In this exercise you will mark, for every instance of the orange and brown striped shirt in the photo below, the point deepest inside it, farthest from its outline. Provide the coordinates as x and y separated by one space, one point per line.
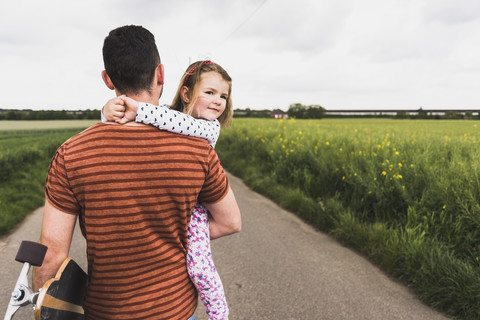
134 188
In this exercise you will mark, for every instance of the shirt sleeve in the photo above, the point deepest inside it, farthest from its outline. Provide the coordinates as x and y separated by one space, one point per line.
216 184
102 117
175 121
57 187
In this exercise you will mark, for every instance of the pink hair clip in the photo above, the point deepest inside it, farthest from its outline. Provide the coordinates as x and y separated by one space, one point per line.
191 71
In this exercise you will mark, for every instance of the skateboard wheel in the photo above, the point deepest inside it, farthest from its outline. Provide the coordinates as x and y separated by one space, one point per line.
31 252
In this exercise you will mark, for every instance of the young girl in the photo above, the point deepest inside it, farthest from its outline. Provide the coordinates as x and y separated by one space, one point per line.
204 92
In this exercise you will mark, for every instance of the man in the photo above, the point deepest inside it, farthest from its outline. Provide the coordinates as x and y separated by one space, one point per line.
133 188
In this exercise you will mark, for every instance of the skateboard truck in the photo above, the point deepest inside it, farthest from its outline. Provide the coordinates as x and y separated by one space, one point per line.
60 298
30 254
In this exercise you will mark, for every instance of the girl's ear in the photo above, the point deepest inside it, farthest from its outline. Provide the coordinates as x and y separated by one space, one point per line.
184 94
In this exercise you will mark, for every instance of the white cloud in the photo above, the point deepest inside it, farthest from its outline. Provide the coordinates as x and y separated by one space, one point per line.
339 54
452 12
304 26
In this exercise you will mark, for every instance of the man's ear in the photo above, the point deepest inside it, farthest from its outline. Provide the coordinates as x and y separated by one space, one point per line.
184 94
107 80
160 74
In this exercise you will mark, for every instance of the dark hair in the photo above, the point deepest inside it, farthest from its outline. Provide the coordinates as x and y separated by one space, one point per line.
130 56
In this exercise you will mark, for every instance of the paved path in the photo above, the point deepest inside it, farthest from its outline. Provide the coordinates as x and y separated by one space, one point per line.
276 268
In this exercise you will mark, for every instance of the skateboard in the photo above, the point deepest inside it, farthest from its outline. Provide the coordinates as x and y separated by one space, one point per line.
60 297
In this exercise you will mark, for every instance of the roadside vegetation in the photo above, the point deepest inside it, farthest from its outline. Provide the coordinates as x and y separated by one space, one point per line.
405 193
24 159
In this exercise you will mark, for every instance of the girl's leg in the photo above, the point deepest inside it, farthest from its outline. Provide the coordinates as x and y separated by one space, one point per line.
201 268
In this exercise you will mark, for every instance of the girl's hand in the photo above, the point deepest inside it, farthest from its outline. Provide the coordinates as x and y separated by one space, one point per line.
114 109
130 112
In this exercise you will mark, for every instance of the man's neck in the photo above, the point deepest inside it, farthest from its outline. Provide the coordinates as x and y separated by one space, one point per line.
143 96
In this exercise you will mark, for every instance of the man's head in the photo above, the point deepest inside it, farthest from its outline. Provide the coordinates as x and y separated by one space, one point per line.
132 62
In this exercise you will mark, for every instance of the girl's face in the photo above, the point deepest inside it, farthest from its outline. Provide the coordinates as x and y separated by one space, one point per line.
212 96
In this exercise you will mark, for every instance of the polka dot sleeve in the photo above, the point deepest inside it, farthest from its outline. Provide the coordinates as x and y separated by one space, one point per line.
171 120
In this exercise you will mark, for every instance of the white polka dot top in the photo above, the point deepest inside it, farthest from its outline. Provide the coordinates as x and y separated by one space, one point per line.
171 120
175 121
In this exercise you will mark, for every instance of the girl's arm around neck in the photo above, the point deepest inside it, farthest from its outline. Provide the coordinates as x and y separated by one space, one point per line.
175 121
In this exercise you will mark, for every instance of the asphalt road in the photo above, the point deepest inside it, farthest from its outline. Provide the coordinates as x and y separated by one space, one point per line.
276 268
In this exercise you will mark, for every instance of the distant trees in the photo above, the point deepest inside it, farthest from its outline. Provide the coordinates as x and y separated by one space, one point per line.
422 114
453 115
301 111
249 113
402 115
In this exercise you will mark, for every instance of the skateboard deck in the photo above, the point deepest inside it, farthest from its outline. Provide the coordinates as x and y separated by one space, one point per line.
62 297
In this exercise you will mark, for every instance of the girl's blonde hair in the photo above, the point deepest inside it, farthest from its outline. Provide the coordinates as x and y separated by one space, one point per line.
191 78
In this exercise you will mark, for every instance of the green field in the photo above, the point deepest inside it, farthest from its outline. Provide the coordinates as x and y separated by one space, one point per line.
26 148
6 125
405 193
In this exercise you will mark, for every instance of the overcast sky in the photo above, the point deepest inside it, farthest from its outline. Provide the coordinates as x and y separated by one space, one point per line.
340 54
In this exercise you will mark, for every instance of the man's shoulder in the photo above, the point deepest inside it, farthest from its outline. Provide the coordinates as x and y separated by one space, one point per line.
79 136
141 134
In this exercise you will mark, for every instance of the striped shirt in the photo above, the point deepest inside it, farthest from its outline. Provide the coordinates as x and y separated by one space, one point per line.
134 188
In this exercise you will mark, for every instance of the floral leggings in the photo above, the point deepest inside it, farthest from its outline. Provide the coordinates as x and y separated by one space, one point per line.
201 268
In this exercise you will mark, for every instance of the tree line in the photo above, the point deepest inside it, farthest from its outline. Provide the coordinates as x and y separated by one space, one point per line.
450 114
296 110
300 111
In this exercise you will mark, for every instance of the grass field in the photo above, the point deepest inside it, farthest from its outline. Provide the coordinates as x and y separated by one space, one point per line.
26 148
6 125
405 193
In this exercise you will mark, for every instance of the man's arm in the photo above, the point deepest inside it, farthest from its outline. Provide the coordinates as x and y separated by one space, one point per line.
226 217
57 232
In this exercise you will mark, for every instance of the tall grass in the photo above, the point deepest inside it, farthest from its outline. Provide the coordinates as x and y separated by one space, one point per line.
24 160
405 193
29 125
